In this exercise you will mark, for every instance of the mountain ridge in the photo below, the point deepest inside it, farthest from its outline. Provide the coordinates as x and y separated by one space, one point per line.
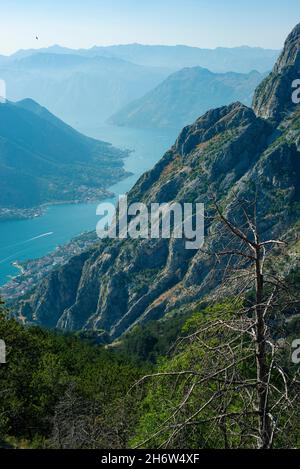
44 160
270 98
80 90
179 99
219 59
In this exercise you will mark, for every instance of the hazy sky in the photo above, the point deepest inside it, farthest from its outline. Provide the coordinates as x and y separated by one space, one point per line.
203 23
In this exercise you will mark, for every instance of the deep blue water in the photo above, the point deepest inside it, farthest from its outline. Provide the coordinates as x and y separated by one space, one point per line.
28 239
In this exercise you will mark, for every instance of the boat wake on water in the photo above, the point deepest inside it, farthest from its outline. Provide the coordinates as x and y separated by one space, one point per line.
22 243
40 236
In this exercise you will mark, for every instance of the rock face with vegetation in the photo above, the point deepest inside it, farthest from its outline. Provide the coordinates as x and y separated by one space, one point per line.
185 95
42 159
273 98
231 152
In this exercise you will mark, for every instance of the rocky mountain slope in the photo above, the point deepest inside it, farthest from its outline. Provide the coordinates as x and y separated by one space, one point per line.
42 159
185 95
233 151
273 99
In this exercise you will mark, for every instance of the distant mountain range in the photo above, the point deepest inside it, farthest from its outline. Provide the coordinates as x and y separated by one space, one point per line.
85 87
186 94
44 160
238 59
83 91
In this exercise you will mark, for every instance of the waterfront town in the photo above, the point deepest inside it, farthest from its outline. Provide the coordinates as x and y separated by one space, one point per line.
81 194
34 270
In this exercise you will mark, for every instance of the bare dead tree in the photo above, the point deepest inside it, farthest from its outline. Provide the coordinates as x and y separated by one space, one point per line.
240 390
257 257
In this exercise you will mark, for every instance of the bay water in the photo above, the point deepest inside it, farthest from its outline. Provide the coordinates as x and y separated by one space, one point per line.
33 238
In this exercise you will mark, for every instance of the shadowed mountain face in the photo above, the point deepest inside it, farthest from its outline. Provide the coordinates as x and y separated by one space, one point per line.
230 151
82 91
44 160
184 95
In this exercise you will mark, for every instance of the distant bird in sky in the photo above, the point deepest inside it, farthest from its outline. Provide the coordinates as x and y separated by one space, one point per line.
37 38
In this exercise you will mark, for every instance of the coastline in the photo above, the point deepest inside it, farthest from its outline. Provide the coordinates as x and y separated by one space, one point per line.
34 212
31 271
18 266
97 195
137 160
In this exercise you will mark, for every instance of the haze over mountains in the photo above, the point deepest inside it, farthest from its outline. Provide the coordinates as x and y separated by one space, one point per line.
44 160
238 59
80 90
86 87
186 94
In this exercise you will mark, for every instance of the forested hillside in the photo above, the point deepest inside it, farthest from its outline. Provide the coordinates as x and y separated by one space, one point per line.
44 160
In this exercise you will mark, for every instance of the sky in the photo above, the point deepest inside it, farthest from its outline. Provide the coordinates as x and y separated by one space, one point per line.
202 23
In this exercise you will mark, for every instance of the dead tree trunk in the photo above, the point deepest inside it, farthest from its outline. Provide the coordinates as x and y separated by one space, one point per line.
265 422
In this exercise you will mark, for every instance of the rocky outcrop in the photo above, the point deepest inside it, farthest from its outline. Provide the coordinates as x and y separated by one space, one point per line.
273 97
232 152
55 293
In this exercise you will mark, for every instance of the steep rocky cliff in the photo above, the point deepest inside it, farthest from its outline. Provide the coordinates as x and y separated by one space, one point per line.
233 152
273 97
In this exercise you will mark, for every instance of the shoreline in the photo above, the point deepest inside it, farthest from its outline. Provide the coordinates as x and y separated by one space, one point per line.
35 212
20 214
130 171
31 271
18 266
